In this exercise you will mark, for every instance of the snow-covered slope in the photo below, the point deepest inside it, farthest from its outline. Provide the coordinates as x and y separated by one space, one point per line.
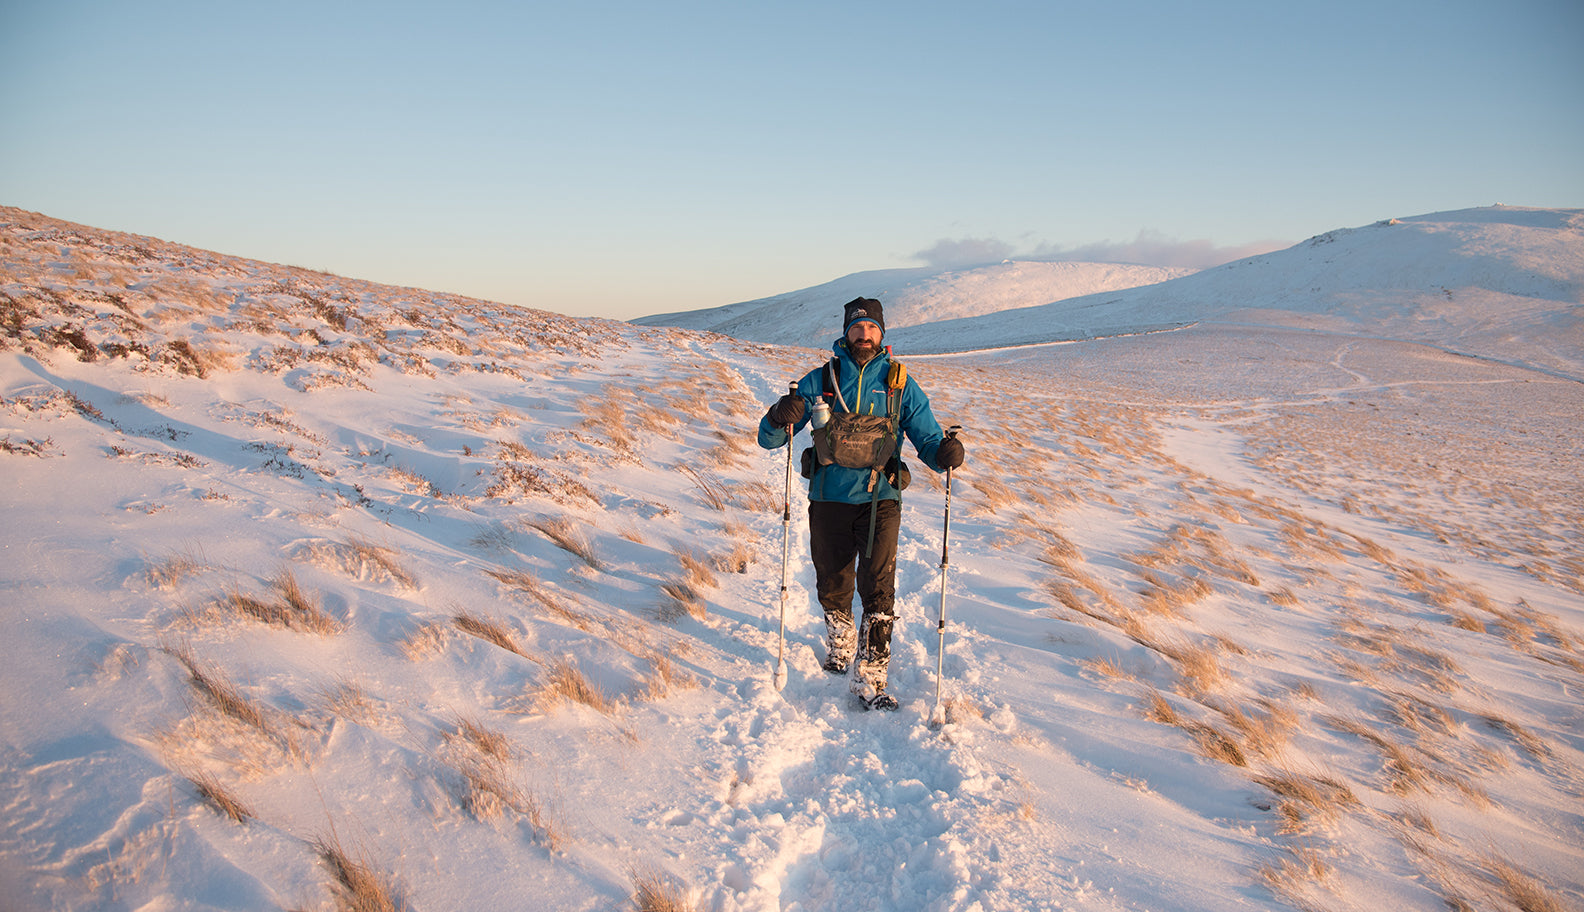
1500 282
319 594
812 317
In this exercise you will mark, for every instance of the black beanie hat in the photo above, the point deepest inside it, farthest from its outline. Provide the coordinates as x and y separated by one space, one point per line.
863 309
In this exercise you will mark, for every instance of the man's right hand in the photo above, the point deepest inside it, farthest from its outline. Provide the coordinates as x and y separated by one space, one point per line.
788 410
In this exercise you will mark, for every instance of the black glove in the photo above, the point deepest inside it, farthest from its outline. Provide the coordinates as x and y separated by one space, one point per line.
949 455
787 410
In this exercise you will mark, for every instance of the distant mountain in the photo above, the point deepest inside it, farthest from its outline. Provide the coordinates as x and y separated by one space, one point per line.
1501 282
912 297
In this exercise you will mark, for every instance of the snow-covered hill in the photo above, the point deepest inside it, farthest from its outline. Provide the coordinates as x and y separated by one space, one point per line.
811 317
1500 282
320 594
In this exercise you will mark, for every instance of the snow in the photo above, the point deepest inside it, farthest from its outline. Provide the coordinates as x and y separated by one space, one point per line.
1279 607
811 317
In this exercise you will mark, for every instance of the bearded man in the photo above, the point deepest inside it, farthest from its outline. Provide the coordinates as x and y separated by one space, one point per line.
855 510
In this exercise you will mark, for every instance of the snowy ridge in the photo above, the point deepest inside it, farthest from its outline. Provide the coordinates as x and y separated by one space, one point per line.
811 317
1501 282
484 601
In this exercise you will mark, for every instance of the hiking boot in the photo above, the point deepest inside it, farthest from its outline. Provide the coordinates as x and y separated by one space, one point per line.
881 701
836 665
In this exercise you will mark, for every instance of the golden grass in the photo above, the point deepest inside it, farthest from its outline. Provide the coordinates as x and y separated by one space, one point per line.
221 695
654 891
221 799
567 683
681 598
1296 874
356 886
1523 891
712 490
294 609
349 700
1307 800
177 568
664 677
487 741
569 537
360 559
488 630
696 571
736 559
428 640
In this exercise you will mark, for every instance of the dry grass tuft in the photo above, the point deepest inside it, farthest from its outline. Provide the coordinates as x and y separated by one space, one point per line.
1158 709
349 700
1532 744
682 598
657 892
696 571
360 559
486 741
712 489
1523 891
1263 734
1296 875
1308 799
222 694
566 682
665 678
220 798
491 631
293 610
1107 667
737 559
996 493
567 536
428 640
1216 744
357 887
175 569
1197 663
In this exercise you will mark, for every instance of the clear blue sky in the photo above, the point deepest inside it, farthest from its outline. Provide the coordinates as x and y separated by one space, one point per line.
625 158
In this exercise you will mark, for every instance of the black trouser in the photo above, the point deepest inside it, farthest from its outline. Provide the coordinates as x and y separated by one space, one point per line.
838 537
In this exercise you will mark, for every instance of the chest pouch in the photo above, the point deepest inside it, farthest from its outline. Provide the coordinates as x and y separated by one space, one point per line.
856 441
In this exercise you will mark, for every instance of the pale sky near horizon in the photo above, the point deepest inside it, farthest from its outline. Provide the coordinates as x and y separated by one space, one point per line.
625 158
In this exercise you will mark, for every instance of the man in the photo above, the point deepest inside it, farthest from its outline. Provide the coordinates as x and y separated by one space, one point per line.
855 512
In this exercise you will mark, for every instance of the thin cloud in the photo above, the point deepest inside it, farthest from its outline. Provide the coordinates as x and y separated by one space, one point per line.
948 253
1150 248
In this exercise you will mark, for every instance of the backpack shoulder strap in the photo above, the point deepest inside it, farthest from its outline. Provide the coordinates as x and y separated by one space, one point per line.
833 383
896 382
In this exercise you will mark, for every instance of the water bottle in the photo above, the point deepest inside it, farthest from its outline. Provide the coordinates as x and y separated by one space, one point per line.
821 412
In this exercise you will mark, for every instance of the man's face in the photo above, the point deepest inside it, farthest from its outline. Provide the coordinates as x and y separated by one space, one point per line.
863 340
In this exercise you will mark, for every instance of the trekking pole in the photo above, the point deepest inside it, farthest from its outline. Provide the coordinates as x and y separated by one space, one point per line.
786 549
938 714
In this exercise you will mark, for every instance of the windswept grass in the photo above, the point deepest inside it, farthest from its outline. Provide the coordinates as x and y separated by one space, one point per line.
567 683
654 891
488 630
569 537
293 609
359 559
355 884
221 799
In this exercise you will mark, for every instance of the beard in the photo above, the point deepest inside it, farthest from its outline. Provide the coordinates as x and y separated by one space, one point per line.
863 351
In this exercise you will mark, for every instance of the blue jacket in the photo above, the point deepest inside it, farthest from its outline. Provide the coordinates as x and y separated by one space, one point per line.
864 390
